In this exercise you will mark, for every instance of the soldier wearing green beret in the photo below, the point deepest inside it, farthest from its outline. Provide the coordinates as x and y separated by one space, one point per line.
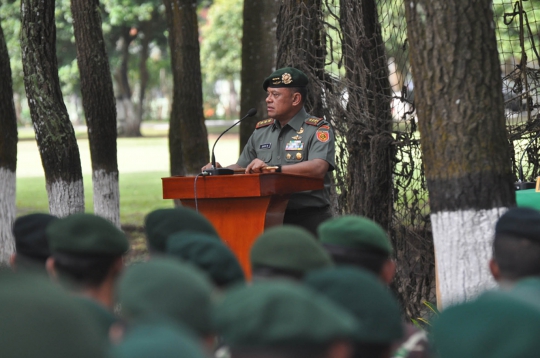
287 252
86 255
516 246
296 143
31 244
280 319
208 254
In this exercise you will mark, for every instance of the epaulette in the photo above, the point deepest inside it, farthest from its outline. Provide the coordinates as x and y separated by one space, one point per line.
315 121
264 123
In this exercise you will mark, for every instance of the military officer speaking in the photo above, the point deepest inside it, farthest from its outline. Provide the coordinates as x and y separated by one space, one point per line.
292 141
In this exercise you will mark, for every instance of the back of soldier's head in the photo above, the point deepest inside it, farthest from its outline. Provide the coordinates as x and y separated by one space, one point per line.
288 252
85 247
356 240
160 224
516 245
31 243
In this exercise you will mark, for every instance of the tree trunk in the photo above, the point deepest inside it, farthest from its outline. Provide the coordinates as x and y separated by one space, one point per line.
188 139
300 44
143 73
8 154
258 59
54 133
99 107
458 96
369 138
128 126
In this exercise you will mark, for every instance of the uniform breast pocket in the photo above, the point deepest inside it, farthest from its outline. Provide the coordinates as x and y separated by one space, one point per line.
264 155
294 156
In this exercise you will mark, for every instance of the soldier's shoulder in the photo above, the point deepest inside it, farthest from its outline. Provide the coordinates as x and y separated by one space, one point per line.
264 123
317 122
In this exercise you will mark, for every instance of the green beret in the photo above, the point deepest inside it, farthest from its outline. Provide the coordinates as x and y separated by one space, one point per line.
286 77
356 232
289 248
158 339
40 320
161 223
495 325
86 234
280 313
521 223
166 287
29 234
208 254
365 297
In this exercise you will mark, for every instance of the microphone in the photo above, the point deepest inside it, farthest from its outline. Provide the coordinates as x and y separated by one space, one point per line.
226 171
521 184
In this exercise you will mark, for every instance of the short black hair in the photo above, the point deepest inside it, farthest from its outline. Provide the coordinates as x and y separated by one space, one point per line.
84 270
370 260
371 350
302 351
302 90
517 257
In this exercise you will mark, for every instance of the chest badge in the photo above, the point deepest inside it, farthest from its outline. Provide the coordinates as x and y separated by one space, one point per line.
301 130
298 156
289 156
296 137
294 145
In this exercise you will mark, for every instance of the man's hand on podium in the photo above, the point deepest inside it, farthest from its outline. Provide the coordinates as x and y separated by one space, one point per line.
209 166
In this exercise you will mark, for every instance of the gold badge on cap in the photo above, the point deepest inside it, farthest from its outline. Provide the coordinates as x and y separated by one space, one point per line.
289 155
298 156
286 78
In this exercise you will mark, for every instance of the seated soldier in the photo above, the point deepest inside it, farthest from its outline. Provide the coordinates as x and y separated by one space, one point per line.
516 246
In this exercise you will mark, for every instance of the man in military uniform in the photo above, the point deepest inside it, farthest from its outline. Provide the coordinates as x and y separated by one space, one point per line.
292 141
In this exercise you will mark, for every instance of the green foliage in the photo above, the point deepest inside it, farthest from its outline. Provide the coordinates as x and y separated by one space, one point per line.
424 323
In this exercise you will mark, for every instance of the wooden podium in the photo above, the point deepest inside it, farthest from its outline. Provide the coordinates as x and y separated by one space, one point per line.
240 206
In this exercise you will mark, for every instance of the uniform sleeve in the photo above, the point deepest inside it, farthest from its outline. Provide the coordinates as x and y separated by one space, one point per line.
322 146
248 154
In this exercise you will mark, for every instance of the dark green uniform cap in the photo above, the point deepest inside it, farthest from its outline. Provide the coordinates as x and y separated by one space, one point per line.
355 232
521 223
286 77
162 223
29 234
278 313
86 234
495 325
289 248
208 254
40 320
158 339
364 296
166 287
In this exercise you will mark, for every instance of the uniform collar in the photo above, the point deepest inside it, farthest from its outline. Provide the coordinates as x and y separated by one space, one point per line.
296 121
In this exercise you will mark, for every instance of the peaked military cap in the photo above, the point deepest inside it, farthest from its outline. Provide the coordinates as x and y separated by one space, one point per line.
168 288
280 313
520 222
161 223
208 254
365 297
86 234
495 325
355 232
289 248
30 237
286 77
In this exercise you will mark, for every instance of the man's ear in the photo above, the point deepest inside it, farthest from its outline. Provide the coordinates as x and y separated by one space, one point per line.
495 270
12 261
388 271
297 99
51 270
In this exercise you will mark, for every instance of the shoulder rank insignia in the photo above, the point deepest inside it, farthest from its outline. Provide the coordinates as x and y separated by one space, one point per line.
264 123
314 121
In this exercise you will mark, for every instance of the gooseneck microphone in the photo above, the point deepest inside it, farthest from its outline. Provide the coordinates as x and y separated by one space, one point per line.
521 184
226 171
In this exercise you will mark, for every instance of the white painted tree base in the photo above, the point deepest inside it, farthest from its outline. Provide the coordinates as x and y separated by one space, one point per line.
7 213
463 248
65 198
106 196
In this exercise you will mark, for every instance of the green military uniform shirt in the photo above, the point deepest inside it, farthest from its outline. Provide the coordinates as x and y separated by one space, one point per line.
303 138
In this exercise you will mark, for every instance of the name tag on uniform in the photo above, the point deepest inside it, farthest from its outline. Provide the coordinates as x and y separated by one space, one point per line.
265 146
294 145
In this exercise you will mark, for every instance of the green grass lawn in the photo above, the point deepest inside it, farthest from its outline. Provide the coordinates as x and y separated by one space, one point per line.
142 162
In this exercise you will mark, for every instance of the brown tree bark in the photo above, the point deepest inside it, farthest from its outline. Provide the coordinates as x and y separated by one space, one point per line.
54 133
369 137
8 154
188 138
301 44
99 106
465 150
258 59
